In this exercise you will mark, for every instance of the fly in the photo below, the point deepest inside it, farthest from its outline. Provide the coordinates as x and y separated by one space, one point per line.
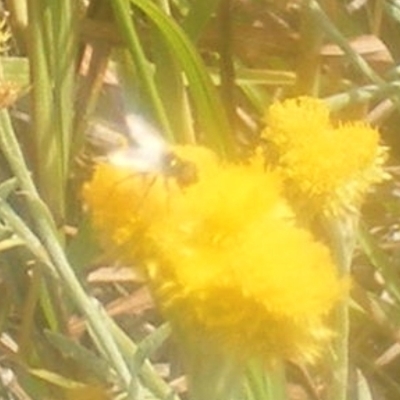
148 152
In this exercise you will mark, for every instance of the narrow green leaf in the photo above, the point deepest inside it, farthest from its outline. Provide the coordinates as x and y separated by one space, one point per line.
392 7
211 114
56 379
363 391
142 65
380 260
199 14
265 384
87 359
150 344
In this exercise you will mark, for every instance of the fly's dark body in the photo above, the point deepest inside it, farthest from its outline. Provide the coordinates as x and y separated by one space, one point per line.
184 172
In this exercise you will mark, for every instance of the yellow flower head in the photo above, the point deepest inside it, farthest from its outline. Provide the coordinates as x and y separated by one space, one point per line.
326 167
223 255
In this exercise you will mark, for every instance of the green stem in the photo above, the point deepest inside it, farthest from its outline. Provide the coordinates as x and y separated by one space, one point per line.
56 257
321 19
123 16
48 160
308 70
212 373
342 234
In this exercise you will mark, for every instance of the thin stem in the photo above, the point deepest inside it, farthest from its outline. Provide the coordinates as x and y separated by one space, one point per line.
123 16
308 71
342 235
48 160
56 257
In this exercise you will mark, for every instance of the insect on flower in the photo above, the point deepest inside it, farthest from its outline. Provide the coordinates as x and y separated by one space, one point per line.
147 152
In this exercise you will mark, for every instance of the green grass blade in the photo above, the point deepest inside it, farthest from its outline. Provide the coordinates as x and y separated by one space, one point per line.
211 114
144 71
380 260
199 14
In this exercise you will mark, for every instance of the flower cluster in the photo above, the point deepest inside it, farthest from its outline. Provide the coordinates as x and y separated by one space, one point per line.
327 168
223 255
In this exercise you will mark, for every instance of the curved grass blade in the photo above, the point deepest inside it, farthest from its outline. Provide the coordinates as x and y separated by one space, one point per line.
211 114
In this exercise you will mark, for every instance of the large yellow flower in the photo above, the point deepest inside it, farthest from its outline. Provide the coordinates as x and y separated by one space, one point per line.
223 255
327 168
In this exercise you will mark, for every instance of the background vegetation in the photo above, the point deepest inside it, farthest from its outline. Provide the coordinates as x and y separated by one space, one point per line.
201 71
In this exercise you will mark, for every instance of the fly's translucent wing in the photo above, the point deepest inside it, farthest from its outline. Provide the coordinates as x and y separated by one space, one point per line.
145 135
150 153
148 149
